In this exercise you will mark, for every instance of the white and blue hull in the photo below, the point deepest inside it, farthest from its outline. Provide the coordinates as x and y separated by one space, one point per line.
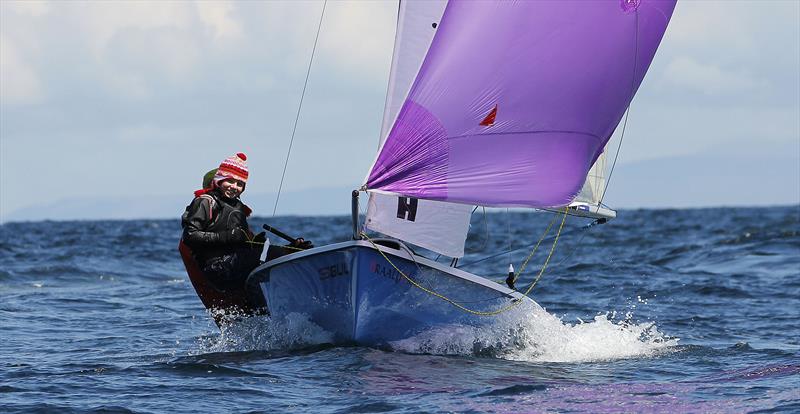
352 291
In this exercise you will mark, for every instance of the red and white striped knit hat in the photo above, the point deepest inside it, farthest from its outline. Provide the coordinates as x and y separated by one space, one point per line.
232 167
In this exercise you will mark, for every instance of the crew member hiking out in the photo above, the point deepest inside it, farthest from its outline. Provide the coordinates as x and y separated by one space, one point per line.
216 231
215 227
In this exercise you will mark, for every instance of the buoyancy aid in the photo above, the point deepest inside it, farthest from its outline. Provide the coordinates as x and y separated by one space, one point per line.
208 215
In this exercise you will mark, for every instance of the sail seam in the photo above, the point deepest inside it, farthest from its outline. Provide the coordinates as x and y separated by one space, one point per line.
526 132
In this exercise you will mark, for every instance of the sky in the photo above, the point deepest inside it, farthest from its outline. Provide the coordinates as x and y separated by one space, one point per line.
132 101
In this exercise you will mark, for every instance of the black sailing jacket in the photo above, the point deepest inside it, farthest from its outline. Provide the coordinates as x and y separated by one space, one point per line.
207 224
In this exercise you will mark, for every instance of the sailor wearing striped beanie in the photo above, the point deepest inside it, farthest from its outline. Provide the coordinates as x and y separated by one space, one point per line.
233 167
216 231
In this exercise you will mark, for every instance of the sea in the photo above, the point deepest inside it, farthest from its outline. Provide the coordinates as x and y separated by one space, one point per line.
657 311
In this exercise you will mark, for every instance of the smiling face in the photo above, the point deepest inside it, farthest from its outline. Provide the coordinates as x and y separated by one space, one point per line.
231 188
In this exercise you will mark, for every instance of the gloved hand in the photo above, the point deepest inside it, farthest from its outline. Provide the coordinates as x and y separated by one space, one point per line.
232 236
301 243
260 238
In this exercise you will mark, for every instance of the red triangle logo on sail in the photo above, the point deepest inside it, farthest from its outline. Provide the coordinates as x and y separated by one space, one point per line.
489 120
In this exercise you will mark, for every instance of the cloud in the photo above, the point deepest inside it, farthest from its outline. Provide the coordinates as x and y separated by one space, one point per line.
722 23
152 59
709 79
100 22
217 15
185 83
28 7
134 51
19 83
148 133
727 54
657 130
358 32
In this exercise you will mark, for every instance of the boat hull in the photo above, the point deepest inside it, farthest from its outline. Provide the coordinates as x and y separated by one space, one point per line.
356 291
220 302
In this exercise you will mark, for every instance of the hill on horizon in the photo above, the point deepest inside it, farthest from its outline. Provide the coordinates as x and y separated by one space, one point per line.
703 182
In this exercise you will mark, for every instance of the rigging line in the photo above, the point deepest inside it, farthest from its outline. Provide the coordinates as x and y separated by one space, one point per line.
614 164
485 225
508 234
486 229
299 107
585 231
619 146
577 246
505 252
514 302
549 256
389 81
627 111
525 263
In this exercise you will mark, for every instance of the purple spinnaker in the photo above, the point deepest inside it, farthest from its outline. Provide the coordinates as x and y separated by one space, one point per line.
561 74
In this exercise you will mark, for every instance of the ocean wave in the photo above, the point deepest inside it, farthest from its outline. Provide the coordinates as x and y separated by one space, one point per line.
534 335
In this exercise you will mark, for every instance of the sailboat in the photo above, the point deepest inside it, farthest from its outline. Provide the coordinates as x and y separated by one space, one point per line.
495 104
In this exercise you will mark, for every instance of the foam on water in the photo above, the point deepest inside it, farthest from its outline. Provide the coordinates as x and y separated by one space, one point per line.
529 333
264 333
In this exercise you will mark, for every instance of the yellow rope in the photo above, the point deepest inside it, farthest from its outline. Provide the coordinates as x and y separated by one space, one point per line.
525 263
549 255
513 303
293 248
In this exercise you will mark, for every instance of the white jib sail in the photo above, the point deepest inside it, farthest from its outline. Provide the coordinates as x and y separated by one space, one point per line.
415 31
587 202
595 185
437 226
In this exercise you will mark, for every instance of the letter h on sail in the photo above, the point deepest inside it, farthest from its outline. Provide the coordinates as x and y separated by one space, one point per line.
407 208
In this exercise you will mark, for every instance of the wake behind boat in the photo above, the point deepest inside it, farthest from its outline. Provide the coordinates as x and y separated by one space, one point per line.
494 104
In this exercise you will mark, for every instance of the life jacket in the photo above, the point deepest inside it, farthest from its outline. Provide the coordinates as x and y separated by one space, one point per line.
223 214
212 196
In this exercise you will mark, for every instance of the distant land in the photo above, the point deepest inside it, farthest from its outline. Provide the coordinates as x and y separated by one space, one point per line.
312 202
707 182
699 182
